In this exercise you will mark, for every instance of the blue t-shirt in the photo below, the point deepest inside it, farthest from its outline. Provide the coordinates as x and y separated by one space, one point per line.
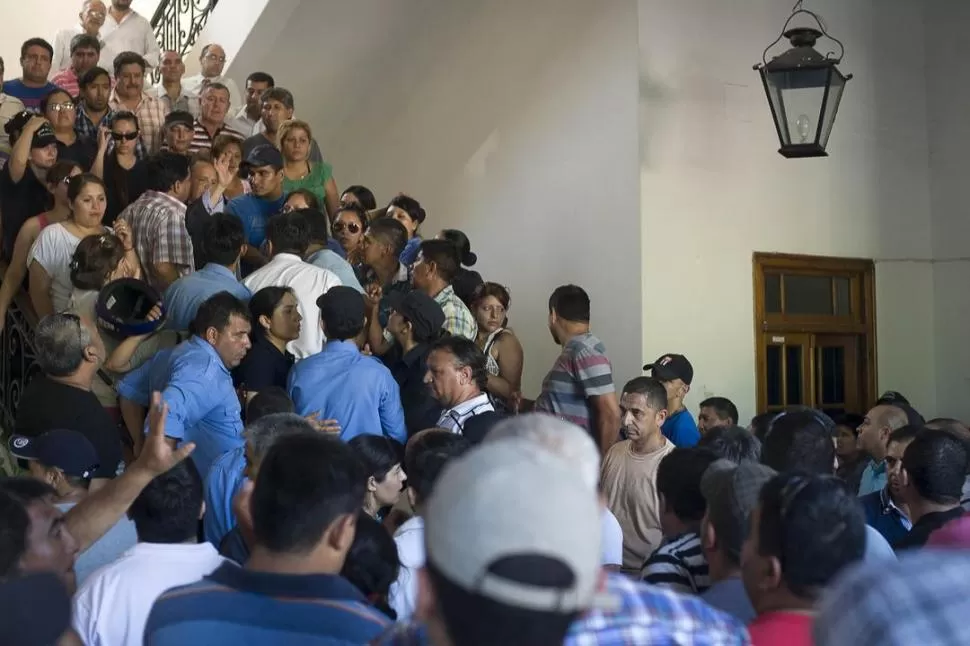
30 96
681 429
254 212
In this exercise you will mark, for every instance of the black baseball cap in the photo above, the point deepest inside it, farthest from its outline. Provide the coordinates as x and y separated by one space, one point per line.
672 366
892 397
342 306
66 450
180 117
264 155
425 315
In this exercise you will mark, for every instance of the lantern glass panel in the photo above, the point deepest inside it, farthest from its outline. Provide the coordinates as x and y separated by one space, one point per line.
831 105
796 98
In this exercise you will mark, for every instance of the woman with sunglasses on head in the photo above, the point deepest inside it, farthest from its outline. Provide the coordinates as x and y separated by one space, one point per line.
56 181
117 157
48 261
61 111
348 230
503 352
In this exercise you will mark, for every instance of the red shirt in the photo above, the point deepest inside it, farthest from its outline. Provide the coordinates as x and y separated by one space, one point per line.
781 629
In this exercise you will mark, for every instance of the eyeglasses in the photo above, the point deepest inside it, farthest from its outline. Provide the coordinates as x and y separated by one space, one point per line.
351 227
126 136
213 57
67 106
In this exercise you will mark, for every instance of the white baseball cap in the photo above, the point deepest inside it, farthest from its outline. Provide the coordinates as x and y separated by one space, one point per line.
506 500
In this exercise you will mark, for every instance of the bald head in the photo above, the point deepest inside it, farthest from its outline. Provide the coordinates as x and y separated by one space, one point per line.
213 60
876 428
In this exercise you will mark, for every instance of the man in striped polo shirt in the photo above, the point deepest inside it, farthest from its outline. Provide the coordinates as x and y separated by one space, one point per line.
211 122
579 388
302 521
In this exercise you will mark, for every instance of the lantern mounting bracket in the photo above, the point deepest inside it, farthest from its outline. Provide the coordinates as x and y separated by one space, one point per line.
804 35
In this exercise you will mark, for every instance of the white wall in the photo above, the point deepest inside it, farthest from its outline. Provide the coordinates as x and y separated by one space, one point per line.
714 190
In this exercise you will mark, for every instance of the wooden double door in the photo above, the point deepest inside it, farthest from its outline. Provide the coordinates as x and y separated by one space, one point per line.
813 369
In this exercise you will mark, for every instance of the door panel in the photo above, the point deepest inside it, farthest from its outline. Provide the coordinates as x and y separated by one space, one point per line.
837 376
817 370
788 370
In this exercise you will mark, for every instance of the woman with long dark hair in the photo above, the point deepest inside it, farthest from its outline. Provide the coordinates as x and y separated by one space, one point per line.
276 321
467 280
115 161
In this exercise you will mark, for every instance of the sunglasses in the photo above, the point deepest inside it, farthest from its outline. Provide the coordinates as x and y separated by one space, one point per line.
126 136
352 227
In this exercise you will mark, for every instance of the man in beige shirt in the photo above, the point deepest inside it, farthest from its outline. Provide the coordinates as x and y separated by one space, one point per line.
629 472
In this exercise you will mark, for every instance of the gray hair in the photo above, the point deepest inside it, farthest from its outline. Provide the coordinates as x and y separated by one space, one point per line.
262 433
557 436
60 340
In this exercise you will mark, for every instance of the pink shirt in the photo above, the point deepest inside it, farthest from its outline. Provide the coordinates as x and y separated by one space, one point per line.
781 629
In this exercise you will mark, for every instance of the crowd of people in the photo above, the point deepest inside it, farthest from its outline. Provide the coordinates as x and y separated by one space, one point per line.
270 411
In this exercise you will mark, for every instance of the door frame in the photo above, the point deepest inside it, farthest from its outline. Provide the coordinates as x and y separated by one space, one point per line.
862 323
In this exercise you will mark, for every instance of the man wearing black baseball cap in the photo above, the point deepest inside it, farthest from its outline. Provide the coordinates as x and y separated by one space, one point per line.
264 168
178 132
340 382
415 321
676 374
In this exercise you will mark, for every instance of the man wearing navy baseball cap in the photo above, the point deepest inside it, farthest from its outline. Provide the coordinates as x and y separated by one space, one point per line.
676 374
264 168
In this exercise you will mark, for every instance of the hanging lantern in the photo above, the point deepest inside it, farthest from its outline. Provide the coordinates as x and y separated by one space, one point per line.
804 89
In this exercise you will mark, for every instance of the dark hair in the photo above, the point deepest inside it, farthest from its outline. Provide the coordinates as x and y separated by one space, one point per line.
268 401
679 480
724 408
217 311
36 42
496 291
800 440
814 526
905 434
462 244
306 482
427 456
409 205
261 77
165 169
60 171
936 462
85 41
16 494
309 196
363 195
223 238
650 388
849 420
372 564
760 424
91 76
46 101
288 233
388 230
444 256
77 183
570 302
343 325
377 453
467 354
280 94
223 141
732 443
264 303
167 510
124 115
128 58
216 86
317 224
94 259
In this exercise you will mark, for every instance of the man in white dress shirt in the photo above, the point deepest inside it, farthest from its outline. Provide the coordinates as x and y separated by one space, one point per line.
457 377
112 606
288 235
92 17
213 61
126 30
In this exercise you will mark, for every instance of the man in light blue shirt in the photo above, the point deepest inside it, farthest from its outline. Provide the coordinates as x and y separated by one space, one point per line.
195 382
342 384
223 241
320 255
874 433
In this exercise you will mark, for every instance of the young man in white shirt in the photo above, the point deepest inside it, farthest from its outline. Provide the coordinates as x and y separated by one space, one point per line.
126 30
113 604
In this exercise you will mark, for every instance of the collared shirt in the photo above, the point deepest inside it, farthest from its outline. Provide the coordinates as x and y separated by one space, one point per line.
926 525
86 128
222 483
329 260
193 86
202 404
133 34
202 140
356 390
67 80
113 605
237 606
455 417
458 318
30 96
254 212
183 297
309 283
242 123
157 222
263 367
184 102
884 516
9 107
151 117
582 371
421 409
639 614
874 478
196 219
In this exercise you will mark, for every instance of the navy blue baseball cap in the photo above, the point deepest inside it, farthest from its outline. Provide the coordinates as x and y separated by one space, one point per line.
68 451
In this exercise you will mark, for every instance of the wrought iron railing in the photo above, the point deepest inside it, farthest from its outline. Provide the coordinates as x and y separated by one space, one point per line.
18 364
177 24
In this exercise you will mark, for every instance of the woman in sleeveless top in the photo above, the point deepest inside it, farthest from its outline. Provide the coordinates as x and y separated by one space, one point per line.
503 352
57 178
